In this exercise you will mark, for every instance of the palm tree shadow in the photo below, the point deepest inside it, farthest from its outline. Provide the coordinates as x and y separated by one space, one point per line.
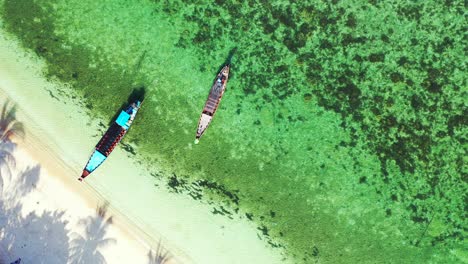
36 238
161 256
85 249
7 162
43 235
48 236
28 180
9 127
33 235
20 186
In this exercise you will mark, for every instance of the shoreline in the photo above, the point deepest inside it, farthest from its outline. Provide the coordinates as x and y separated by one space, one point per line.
48 155
56 166
185 227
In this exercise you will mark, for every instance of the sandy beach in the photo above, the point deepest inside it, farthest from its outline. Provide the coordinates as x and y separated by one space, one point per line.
46 218
43 186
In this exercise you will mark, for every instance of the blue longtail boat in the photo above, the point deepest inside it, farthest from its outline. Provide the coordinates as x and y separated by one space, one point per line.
111 138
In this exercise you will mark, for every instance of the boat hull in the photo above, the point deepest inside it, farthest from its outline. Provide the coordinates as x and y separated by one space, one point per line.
212 102
111 138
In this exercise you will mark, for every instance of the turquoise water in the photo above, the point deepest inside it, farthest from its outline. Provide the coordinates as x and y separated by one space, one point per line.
342 133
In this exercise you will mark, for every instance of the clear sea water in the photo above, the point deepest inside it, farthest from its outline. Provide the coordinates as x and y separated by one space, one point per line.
342 133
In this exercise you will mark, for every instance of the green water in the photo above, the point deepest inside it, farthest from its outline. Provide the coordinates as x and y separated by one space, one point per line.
342 131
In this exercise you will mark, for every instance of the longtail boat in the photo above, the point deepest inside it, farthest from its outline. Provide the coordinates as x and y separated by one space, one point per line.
111 138
212 103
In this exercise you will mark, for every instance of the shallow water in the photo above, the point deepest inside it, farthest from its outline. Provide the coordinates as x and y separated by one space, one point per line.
341 126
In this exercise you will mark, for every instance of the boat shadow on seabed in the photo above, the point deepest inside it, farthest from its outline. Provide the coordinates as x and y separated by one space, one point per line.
228 60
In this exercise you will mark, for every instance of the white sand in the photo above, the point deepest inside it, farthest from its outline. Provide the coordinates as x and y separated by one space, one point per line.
60 138
46 219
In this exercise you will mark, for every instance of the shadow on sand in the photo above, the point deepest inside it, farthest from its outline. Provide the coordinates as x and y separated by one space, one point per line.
36 238
9 127
160 256
85 249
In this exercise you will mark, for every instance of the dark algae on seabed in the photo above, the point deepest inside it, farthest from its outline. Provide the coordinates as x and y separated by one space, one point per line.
343 136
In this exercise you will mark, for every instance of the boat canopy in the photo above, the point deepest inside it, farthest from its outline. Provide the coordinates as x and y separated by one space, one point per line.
123 119
96 159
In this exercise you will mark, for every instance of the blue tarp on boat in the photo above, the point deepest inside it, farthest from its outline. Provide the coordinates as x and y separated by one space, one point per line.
96 159
123 119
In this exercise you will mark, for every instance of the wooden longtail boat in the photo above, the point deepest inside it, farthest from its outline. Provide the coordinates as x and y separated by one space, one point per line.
212 103
111 138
